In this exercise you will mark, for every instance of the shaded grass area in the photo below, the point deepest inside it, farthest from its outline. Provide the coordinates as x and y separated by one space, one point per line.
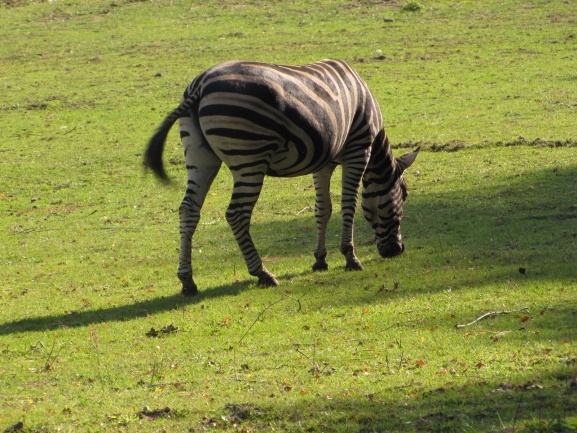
368 413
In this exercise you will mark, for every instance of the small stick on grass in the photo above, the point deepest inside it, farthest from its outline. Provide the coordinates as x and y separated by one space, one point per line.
256 320
490 313
264 311
304 209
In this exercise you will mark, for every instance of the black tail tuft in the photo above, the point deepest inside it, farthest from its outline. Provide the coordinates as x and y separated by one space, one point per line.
153 153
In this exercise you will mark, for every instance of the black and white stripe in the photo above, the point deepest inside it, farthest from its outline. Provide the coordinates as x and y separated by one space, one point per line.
263 119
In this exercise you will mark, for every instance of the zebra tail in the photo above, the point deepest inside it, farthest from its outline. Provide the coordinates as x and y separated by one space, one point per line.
155 147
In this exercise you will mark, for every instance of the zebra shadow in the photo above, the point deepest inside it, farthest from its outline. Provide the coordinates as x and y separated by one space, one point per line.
120 313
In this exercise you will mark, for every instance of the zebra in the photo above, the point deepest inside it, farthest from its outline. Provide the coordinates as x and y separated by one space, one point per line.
265 119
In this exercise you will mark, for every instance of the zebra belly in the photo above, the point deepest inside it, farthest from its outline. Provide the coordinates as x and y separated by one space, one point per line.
282 157
289 161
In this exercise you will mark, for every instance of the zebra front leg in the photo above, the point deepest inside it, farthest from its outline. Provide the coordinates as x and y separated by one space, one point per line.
323 211
351 183
244 197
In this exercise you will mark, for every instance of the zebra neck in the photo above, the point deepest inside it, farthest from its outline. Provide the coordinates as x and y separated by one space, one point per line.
382 163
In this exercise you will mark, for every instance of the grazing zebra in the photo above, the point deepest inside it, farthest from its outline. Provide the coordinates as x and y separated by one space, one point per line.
264 119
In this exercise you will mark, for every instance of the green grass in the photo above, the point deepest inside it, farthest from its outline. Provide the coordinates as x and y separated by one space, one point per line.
89 245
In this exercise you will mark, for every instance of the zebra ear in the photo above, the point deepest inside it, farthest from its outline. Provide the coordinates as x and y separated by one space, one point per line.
405 161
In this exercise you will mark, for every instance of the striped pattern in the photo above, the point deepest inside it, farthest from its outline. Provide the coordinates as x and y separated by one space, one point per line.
263 119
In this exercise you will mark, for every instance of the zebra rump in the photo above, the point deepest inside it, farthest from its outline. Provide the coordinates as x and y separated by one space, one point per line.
263 119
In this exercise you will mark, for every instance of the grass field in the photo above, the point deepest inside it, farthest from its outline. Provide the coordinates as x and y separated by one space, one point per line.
93 333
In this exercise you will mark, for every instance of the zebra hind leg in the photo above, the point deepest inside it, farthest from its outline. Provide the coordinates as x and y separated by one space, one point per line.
266 279
199 182
245 195
188 286
189 217
353 264
202 166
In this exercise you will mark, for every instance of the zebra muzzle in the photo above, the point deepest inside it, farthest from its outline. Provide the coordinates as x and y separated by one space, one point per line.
390 249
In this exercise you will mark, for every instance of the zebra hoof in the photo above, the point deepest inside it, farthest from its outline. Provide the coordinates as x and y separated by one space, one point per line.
353 265
189 291
320 267
266 279
188 287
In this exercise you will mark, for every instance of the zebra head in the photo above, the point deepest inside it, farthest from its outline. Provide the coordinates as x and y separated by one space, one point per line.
383 198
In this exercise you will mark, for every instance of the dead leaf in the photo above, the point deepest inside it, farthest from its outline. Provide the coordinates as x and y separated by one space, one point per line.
152 333
242 411
152 414
19 426
169 329
166 330
383 288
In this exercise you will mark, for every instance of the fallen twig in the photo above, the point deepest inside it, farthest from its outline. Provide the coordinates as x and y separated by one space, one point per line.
294 299
490 313
264 311
258 317
298 301
306 208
